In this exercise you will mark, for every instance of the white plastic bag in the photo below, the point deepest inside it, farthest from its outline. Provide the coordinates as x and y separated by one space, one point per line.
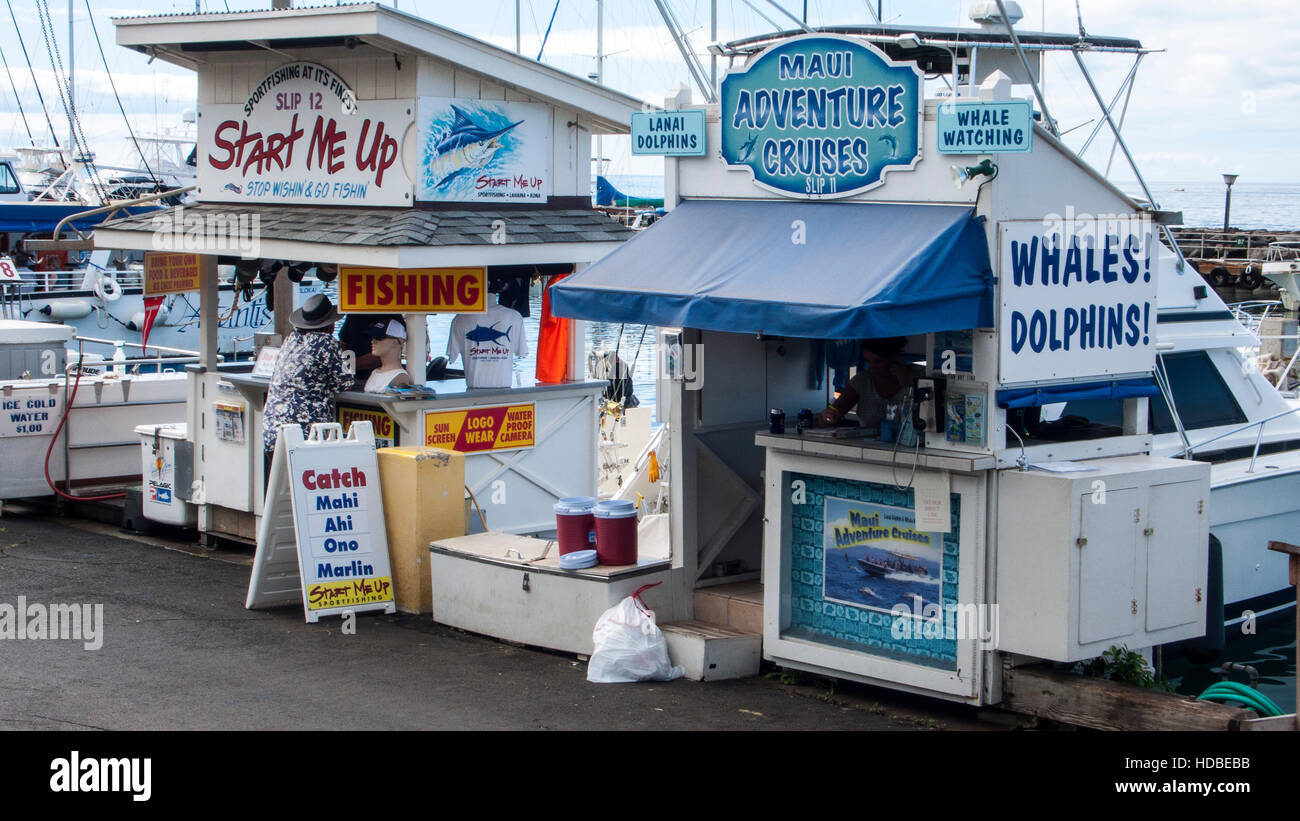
629 645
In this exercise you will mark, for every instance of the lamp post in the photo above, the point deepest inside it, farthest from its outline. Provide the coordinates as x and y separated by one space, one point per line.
1228 180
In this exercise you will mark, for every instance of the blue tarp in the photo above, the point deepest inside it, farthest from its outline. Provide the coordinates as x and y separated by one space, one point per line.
1115 389
820 270
41 217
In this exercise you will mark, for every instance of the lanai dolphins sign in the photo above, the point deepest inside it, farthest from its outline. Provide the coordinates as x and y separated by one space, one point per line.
821 117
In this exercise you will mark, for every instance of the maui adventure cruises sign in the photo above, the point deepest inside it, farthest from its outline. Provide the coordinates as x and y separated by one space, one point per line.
821 116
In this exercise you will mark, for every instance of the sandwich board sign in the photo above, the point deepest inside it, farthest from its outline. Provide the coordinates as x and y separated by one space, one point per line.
322 538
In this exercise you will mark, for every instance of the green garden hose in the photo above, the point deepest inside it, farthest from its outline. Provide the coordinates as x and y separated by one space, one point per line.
1231 691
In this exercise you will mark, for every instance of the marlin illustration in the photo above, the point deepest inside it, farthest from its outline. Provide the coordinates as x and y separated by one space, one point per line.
489 334
892 144
465 148
747 147
230 186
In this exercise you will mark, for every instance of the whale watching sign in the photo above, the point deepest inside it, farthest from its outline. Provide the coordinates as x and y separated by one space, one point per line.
977 127
822 116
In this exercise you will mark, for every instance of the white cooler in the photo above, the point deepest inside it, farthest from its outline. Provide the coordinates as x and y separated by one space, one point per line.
165 481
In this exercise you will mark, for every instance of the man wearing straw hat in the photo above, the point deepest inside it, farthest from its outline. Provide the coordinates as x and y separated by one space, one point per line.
309 371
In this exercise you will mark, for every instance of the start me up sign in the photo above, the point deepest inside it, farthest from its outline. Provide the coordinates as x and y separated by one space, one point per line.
822 116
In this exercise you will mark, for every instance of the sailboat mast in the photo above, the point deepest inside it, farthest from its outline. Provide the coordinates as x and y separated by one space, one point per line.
72 84
600 78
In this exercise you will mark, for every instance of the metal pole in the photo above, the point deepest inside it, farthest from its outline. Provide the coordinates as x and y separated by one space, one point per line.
801 24
693 64
1123 115
600 78
1227 205
72 80
1113 103
1042 103
518 44
1118 139
713 38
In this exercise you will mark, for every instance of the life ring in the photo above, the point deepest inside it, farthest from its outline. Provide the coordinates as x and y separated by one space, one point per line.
107 289
1218 276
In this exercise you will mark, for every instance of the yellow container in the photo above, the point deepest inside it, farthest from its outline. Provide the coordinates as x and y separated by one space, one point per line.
424 500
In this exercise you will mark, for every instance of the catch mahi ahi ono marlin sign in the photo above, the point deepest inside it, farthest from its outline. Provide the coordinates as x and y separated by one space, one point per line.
303 138
819 117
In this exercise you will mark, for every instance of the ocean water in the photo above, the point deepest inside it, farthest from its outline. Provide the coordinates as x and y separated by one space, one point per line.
635 345
1272 206
1255 205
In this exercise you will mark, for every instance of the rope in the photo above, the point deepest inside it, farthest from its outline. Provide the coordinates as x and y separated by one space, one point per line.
118 97
64 84
17 100
35 84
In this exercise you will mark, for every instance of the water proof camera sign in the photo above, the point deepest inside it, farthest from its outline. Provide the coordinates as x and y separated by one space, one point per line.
1077 298
819 117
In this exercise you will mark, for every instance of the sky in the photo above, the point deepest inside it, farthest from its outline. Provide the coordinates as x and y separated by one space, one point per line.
1221 95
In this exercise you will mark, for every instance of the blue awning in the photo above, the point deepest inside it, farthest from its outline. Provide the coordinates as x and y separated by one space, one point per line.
1051 394
821 270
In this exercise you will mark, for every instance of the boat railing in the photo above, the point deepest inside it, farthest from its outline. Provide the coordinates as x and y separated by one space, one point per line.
164 353
1190 450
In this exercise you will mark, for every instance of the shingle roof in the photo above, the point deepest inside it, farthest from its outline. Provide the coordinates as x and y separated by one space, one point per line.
389 227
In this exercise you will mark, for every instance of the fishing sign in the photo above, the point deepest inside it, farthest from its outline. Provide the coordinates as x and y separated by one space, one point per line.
303 138
1077 298
483 151
469 430
822 116
412 290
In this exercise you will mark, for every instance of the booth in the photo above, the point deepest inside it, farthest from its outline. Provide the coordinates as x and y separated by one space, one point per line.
419 166
834 204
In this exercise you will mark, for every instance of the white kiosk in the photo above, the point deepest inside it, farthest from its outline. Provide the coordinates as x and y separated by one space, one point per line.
825 210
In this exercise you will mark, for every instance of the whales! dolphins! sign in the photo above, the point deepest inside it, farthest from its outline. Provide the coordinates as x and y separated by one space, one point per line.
822 116
483 151
302 137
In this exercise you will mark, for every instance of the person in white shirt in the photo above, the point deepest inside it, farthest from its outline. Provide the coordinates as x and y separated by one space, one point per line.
389 337
488 343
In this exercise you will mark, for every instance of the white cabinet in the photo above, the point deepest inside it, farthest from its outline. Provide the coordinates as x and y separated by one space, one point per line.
1114 555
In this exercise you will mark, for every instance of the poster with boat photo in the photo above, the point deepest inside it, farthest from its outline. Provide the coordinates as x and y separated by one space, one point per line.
875 558
483 151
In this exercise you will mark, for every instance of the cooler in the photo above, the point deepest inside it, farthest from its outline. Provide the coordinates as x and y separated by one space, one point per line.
167 462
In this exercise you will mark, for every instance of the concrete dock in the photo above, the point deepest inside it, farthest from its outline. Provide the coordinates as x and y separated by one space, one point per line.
180 652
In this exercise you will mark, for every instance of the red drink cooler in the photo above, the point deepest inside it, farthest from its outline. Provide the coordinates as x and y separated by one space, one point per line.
616 532
575 528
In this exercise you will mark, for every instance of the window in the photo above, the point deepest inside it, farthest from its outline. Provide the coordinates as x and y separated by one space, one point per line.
1200 394
1202 397
8 182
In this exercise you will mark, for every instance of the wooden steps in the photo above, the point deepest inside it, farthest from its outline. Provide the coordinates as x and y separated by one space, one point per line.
725 639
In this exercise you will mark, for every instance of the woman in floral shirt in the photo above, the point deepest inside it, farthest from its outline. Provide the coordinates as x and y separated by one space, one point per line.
309 371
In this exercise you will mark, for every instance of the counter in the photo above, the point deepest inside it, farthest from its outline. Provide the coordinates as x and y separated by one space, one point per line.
554 453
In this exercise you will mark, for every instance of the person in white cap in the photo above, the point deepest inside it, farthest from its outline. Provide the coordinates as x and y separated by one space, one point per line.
389 338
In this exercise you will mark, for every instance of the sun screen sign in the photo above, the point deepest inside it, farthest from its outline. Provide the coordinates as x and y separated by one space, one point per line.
1077 298
819 117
